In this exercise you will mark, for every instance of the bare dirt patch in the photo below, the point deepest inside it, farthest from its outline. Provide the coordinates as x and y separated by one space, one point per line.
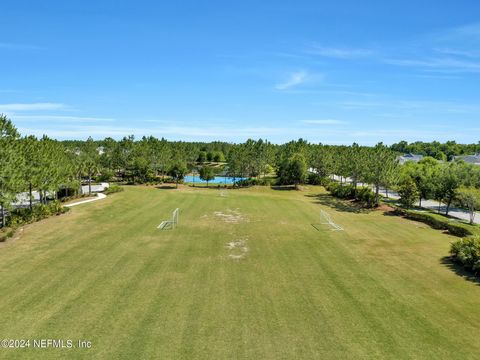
231 216
238 249
385 208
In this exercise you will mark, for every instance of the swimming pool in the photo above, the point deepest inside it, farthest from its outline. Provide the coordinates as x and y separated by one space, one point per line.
217 180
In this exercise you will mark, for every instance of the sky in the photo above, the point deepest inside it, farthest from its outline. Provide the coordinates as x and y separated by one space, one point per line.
335 72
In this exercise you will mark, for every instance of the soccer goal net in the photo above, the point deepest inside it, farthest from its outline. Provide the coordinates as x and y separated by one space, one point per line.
325 219
170 224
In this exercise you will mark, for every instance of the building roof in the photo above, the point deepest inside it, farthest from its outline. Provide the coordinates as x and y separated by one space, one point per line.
409 157
471 159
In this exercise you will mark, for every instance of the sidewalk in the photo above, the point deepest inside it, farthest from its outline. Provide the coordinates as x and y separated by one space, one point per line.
433 205
458 213
100 196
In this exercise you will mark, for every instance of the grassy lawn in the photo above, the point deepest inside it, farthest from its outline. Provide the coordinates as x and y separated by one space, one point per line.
282 290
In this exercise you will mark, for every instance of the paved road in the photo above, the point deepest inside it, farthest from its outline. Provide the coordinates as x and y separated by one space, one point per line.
428 204
433 205
23 198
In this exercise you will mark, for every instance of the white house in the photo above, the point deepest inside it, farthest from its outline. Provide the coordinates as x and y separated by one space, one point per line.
409 157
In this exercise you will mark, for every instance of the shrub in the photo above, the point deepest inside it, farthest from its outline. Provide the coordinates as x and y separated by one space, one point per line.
113 189
315 179
467 252
106 175
6 233
23 216
70 198
437 222
247 182
366 196
342 191
266 181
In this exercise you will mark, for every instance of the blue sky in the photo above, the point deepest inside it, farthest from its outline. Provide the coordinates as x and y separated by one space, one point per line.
333 72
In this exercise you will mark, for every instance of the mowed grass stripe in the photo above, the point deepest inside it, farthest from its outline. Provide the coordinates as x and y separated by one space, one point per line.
376 290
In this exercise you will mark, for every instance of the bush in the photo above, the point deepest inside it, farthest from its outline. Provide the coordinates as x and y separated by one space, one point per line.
105 176
23 216
341 191
467 252
366 196
6 233
70 198
315 179
247 182
437 222
266 181
113 189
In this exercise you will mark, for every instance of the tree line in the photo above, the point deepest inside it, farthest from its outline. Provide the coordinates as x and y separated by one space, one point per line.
52 168
440 151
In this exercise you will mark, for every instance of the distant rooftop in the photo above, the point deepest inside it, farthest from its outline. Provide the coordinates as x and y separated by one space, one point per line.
409 157
471 159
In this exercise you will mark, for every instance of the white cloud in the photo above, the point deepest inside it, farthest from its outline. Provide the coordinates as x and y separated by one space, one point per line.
325 122
457 52
443 64
59 118
295 79
31 106
338 53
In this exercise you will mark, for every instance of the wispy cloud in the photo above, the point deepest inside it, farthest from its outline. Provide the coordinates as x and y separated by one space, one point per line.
338 52
60 118
465 33
178 132
442 64
295 79
31 106
457 52
448 51
414 106
13 46
325 122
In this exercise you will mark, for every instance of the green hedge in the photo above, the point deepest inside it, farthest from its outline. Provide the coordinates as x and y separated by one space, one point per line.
6 233
113 189
24 216
438 222
364 195
253 182
467 252
19 217
315 179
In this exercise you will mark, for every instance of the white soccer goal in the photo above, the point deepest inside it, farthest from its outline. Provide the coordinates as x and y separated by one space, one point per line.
325 219
170 224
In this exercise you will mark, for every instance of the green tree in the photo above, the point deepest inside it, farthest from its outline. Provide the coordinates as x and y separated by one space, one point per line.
469 197
177 171
293 170
424 173
90 158
322 160
11 164
206 174
202 157
447 184
31 171
218 156
381 167
408 192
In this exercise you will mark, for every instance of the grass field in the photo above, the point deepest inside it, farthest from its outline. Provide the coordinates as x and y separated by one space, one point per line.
104 273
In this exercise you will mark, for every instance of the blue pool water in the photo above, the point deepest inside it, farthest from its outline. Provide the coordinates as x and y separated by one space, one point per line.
216 180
